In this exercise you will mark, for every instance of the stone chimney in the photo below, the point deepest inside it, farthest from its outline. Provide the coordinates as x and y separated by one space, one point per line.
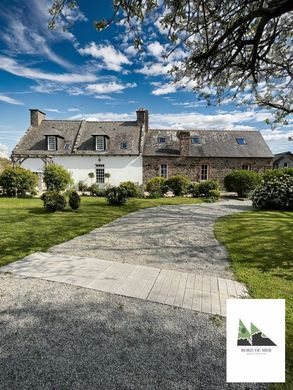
142 116
184 141
37 117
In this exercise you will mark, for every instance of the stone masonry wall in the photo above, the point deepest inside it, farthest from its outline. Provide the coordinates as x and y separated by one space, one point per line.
190 166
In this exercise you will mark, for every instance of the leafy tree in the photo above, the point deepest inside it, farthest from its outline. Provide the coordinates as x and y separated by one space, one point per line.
229 46
18 181
56 177
4 163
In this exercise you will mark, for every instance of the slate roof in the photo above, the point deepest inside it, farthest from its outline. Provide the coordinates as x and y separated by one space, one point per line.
279 156
78 136
213 143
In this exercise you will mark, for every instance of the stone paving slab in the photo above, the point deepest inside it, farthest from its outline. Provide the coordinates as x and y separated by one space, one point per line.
191 291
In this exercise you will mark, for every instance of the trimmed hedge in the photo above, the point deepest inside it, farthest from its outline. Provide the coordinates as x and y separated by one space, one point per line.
242 182
54 201
74 200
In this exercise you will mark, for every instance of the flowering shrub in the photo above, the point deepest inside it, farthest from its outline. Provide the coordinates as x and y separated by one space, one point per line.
274 194
272 173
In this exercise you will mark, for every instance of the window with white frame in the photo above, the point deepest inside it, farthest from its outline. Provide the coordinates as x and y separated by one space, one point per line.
204 172
246 167
100 173
51 142
100 143
164 170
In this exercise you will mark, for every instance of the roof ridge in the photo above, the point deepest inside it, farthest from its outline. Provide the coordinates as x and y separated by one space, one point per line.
218 130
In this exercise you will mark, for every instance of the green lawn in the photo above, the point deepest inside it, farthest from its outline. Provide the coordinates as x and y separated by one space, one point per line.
260 246
25 226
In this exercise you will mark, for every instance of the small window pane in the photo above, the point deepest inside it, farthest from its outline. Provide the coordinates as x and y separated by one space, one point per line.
241 141
204 172
124 145
285 165
52 143
246 167
164 170
100 142
195 140
66 145
100 173
162 140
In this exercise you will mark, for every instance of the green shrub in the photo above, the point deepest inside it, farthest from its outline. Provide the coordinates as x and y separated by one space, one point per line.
56 177
203 188
54 201
177 184
82 187
116 196
274 194
213 195
272 173
94 190
156 186
18 181
131 188
242 182
74 200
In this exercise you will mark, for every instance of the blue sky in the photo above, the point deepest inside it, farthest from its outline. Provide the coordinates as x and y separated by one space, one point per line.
99 76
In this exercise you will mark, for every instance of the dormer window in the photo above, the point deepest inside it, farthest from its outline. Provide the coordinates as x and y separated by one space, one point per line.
124 145
195 140
51 142
100 143
162 140
241 141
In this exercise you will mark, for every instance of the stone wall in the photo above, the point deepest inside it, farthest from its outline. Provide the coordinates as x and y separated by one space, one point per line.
190 166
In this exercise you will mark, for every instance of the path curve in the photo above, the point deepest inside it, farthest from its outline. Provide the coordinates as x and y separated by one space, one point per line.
168 237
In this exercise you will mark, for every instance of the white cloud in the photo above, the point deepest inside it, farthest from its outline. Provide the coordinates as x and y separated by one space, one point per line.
103 97
165 89
3 151
74 109
11 66
9 100
155 49
25 30
112 59
104 88
53 110
155 69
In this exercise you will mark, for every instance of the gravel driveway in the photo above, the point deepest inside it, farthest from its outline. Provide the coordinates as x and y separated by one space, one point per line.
170 237
55 336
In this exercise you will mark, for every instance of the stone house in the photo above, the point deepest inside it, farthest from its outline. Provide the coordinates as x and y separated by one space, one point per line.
131 151
283 160
203 154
